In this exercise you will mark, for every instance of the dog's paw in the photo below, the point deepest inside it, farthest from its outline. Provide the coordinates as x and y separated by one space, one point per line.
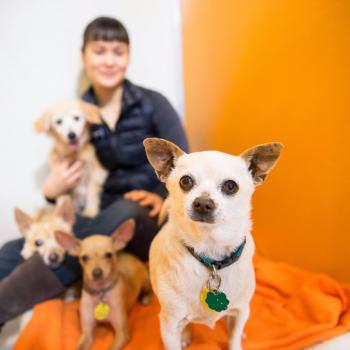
146 299
186 338
89 212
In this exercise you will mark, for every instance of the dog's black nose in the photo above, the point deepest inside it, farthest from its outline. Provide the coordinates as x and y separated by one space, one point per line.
72 136
203 205
53 257
97 273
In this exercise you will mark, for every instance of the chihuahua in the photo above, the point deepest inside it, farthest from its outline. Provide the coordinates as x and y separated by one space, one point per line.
112 282
38 230
68 124
201 261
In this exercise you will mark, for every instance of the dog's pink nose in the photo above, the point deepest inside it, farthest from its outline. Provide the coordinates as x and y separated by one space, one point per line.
203 205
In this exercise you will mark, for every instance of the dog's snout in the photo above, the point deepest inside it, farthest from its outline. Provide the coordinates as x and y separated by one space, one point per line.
72 136
97 273
53 258
203 205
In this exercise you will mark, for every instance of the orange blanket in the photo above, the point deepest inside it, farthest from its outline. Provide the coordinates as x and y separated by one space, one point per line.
291 309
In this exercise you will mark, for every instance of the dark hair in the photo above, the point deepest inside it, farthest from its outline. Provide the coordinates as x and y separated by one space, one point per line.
106 29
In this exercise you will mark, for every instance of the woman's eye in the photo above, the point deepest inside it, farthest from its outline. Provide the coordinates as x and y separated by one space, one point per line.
229 187
186 182
39 242
119 52
84 258
59 121
98 51
108 255
76 118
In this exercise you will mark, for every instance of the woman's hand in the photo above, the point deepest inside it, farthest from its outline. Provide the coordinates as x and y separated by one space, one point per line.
63 177
146 199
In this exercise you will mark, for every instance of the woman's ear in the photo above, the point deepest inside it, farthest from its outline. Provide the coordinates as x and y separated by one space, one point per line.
91 112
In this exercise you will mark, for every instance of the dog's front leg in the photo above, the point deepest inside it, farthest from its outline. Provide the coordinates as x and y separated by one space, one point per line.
171 328
236 323
119 322
86 339
92 200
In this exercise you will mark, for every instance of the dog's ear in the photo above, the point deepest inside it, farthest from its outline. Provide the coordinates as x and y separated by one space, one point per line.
162 155
65 209
68 242
43 123
261 159
91 112
24 221
122 235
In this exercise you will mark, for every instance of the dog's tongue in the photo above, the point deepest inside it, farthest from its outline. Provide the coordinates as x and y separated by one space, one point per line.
73 145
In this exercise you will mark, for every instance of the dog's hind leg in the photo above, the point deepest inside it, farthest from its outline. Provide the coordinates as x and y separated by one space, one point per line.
171 328
236 323
146 291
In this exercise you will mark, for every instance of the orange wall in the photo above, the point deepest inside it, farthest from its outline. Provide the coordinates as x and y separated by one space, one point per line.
259 71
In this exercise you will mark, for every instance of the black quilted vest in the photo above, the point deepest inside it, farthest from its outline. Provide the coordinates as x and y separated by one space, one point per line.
121 151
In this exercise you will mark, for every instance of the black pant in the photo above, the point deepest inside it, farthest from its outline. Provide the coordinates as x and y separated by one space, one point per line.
104 223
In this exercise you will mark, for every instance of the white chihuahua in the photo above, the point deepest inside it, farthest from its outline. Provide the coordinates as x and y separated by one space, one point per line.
201 260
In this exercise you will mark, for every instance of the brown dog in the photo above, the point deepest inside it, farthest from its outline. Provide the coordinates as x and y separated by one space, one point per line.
68 124
112 283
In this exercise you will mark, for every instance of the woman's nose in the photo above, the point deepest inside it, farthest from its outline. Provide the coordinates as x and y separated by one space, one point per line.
109 59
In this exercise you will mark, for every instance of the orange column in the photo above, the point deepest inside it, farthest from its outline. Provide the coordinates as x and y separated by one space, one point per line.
259 71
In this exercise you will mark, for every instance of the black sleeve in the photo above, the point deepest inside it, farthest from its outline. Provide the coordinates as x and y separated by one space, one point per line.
168 126
167 123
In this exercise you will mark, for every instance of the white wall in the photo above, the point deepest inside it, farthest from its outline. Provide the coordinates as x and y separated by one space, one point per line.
40 44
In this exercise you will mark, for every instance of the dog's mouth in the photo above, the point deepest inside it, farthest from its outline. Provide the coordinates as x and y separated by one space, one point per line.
207 219
54 265
73 144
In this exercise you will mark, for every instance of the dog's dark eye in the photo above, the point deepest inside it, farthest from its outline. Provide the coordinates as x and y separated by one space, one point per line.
59 121
39 242
84 258
108 255
186 183
76 118
229 187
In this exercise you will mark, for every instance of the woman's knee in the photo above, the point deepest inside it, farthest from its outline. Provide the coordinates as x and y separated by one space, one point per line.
10 256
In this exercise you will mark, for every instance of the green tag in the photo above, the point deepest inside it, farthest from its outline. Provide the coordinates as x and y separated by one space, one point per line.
216 300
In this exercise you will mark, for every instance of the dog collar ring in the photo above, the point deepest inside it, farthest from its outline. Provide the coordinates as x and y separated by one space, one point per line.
214 280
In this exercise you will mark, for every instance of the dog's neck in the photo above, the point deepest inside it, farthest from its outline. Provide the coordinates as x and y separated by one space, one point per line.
214 241
103 287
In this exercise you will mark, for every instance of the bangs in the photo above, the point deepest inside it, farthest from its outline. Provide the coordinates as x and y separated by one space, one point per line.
106 29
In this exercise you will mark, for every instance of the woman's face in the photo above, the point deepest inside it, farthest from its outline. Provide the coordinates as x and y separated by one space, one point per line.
106 62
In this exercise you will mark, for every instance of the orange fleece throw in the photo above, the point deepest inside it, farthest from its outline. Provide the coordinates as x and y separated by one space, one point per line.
291 309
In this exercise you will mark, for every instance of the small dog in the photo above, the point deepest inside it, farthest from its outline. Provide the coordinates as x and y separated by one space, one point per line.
68 124
39 229
201 261
111 283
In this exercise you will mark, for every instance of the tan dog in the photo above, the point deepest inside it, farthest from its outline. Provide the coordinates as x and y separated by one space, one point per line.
112 283
201 260
68 124
38 230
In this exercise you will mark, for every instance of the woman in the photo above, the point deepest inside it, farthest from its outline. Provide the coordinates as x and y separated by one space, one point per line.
130 114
